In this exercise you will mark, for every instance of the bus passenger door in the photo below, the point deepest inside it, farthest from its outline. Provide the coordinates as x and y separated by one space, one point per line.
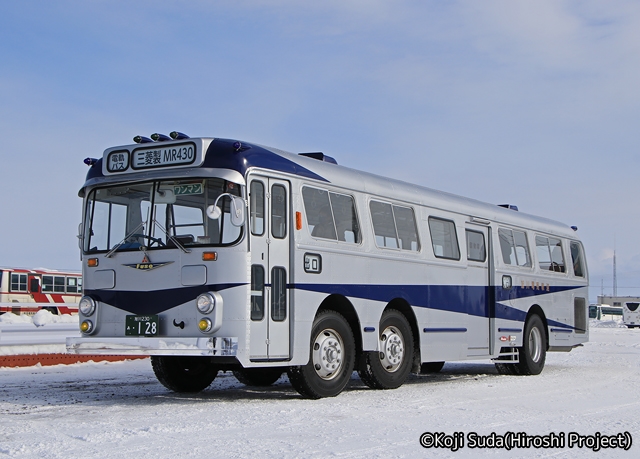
479 293
35 289
269 209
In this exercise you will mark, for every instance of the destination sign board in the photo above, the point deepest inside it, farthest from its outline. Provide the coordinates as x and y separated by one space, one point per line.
163 156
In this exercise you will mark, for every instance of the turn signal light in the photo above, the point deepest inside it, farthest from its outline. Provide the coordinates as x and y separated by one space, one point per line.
209 256
205 325
86 326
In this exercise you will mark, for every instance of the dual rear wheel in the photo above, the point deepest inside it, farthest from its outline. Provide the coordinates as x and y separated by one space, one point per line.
332 356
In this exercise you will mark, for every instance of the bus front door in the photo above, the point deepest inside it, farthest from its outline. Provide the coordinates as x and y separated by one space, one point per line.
269 209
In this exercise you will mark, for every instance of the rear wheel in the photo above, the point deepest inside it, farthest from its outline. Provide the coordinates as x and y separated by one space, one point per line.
184 373
331 358
261 377
389 367
533 353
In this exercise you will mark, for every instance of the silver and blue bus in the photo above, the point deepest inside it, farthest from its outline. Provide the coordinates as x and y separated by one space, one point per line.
214 255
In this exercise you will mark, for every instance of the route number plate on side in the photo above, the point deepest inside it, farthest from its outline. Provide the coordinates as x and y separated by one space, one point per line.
141 325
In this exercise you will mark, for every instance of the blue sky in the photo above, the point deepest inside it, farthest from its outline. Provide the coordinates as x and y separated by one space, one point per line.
526 102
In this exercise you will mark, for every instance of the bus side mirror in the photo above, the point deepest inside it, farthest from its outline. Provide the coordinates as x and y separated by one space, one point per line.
80 236
236 211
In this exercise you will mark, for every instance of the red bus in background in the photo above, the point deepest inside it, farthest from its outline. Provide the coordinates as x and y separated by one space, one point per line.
26 291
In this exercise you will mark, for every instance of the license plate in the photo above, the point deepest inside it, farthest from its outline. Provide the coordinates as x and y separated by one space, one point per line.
141 325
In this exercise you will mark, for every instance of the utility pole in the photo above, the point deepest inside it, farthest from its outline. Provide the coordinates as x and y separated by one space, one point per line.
615 276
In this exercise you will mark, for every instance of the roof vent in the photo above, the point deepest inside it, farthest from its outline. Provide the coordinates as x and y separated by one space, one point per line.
509 206
320 157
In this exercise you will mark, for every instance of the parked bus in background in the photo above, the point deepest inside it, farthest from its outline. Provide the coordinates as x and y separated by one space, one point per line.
631 314
26 291
212 255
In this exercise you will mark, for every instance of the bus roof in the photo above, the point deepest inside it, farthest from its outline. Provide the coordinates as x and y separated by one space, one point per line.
239 157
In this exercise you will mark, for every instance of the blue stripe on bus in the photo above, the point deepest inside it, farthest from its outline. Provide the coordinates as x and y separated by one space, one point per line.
444 330
221 154
471 300
463 299
155 301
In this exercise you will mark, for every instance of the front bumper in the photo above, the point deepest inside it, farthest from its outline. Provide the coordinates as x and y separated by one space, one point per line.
214 346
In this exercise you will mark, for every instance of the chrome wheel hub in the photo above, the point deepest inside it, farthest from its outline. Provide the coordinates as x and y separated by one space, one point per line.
391 349
535 344
327 354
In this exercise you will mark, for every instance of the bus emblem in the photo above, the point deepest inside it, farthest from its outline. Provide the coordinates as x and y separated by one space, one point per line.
146 265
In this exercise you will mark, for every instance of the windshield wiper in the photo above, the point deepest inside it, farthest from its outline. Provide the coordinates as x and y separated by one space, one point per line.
172 238
117 246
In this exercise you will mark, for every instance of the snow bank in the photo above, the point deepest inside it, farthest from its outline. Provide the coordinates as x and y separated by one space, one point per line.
39 319
616 323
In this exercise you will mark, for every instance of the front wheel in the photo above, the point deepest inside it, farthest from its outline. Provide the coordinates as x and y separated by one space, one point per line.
184 373
331 358
389 367
533 352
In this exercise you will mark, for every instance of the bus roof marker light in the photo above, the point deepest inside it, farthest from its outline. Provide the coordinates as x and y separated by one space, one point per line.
160 137
90 161
142 139
238 147
175 135
574 228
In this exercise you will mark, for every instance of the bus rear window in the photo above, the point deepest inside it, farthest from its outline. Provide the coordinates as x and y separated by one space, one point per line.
550 256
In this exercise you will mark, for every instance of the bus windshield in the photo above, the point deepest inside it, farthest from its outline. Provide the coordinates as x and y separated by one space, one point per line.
159 215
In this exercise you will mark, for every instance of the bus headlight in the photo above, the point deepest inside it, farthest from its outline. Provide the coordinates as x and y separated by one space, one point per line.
86 326
87 306
205 325
206 303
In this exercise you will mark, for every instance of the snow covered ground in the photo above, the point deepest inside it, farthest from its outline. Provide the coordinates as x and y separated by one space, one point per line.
119 410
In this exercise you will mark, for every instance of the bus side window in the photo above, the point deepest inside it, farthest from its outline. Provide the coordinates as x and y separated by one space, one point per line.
346 220
406 226
72 286
318 211
384 227
444 238
514 247
47 284
18 282
576 257
550 257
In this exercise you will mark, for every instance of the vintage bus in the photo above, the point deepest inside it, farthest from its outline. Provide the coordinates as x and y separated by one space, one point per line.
26 291
214 255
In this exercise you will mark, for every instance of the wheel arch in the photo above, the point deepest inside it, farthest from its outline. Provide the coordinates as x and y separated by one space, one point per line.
403 306
342 305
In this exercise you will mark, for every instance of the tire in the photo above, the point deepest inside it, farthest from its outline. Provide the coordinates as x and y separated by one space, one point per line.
431 367
533 352
389 367
507 368
260 377
331 358
184 373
